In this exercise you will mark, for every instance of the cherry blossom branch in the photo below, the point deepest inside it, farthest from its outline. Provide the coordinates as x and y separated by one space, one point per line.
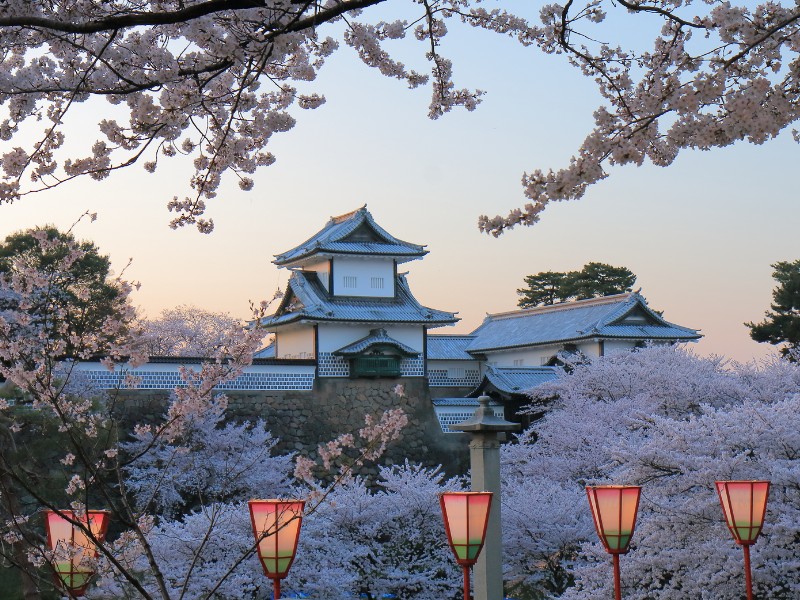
768 33
134 19
183 15
635 7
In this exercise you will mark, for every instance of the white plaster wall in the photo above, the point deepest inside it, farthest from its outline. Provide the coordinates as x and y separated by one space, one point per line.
453 365
333 336
363 270
590 349
612 346
296 343
530 357
322 269
533 357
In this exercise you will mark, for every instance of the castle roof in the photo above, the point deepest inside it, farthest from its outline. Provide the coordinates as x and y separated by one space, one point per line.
515 380
376 338
449 347
354 233
622 316
307 300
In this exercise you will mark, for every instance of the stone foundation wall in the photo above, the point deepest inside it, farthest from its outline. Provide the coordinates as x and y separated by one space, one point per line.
304 419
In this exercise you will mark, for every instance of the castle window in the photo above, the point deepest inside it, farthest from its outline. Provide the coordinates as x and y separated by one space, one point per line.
518 362
376 283
349 281
456 373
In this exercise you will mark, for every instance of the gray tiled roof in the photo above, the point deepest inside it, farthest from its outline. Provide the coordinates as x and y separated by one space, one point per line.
518 379
650 332
449 347
266 352
375 337
332 239
572 321
315 304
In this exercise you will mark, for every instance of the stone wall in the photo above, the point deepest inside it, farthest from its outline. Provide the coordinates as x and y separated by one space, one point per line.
304 419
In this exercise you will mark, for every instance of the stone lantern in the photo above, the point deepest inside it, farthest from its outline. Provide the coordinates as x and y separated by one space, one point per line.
486 430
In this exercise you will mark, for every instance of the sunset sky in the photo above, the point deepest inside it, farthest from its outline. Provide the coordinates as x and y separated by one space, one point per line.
700 235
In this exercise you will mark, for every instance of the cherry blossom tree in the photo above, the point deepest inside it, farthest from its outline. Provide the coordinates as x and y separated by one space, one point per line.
371 540
210 461
672 423
216 79
379 542
176 479
187 331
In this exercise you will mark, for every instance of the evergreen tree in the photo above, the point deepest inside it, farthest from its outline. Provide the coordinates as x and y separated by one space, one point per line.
85 291
543 288
595 279
598 279
782 323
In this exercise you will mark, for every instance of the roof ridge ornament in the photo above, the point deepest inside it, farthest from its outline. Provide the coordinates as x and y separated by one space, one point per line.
333 240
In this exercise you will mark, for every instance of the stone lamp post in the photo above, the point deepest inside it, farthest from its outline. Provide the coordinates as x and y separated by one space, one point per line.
484 458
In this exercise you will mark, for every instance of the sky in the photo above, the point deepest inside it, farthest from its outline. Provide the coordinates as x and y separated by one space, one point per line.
700 235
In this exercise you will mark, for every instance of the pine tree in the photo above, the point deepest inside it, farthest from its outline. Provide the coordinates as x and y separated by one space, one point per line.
595 279
782 324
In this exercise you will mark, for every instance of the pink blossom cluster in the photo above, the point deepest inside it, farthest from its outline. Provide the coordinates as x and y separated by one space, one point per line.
370 445
716 74
216 80
673 423
177 486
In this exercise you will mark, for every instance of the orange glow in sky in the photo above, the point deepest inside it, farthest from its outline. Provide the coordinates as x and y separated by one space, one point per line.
700 235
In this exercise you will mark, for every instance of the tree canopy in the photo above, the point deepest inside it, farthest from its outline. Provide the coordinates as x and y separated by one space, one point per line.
593 280
781 325
673 423
187 331
184 475
79 294
215 79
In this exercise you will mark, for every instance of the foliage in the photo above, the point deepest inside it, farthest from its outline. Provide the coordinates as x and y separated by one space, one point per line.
172 488
207 462
187 331
673 423
782 324
78 285
547 287
593 280
215 80
360 540
379 542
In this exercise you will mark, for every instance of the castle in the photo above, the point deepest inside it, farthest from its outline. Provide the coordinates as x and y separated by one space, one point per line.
348 315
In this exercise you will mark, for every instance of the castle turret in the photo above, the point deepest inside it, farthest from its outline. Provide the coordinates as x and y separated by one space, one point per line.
347 306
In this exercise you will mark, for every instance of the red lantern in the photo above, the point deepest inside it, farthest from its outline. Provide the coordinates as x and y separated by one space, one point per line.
744 504
74 551
276 525
466 515
614 509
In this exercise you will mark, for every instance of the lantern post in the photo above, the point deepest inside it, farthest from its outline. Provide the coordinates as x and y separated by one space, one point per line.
73 550
484 456
466 515
276 526
744 504
614 509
